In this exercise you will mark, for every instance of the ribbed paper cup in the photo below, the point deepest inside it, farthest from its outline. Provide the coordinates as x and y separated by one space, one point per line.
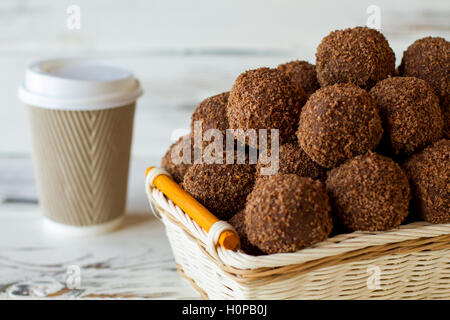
81 118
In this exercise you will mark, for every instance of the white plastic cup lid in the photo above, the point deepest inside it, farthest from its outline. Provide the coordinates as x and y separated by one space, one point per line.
78 84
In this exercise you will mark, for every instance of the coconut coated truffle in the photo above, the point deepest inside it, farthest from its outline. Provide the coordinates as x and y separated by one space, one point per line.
359 55
212 113
285 213
238 222
301 73
369 193
337 123
292 159
221 188
410 112
265 98
429 174
175 161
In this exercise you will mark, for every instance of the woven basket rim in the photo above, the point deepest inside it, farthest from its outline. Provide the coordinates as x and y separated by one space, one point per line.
342 248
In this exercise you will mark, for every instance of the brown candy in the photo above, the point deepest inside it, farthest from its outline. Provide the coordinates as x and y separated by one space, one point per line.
301 73
286 213
178 170
292 159
429 174
410 112
337 123
221 188
429 59
238 222
369 192
359 55
265 98
212 113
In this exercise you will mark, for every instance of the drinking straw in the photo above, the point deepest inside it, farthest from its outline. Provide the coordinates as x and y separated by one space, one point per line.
193 208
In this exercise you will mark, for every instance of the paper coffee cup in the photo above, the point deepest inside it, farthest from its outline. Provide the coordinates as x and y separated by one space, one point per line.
81 118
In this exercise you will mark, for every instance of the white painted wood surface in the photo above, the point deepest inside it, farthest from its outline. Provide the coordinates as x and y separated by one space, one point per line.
132 262
182 51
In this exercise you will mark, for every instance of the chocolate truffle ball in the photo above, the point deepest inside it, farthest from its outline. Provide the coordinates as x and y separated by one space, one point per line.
429 59
369 193
221 188
238 222
292 159
410 112
359 55
302 73
429 174
337 123
212 113
285 213
175 161
265 99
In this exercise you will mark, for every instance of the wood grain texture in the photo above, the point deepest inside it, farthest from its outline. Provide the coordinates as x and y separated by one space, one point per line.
233 26
132 262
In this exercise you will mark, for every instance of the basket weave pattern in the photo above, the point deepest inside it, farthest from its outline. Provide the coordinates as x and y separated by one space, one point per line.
412 262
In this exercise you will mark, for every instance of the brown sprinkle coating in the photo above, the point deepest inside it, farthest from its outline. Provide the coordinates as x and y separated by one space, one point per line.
429 59
292 159
337 123
446 114
221 188
285 213
369 193
429 175
212 113
265 98
178 170
301 73
238 222
359 55
410 112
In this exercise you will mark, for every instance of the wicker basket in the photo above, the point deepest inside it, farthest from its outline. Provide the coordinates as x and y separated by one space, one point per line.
412 262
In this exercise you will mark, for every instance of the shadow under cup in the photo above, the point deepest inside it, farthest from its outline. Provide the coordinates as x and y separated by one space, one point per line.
81 116
81 161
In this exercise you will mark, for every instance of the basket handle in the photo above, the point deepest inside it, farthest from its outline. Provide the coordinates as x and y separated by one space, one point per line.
218 231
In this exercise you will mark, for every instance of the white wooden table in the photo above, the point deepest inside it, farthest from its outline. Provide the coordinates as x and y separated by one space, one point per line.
182 52
134 261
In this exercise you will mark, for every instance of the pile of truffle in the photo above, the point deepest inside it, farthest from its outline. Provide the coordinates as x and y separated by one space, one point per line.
363 146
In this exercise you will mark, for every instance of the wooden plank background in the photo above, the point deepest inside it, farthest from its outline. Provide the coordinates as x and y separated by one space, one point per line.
182 51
